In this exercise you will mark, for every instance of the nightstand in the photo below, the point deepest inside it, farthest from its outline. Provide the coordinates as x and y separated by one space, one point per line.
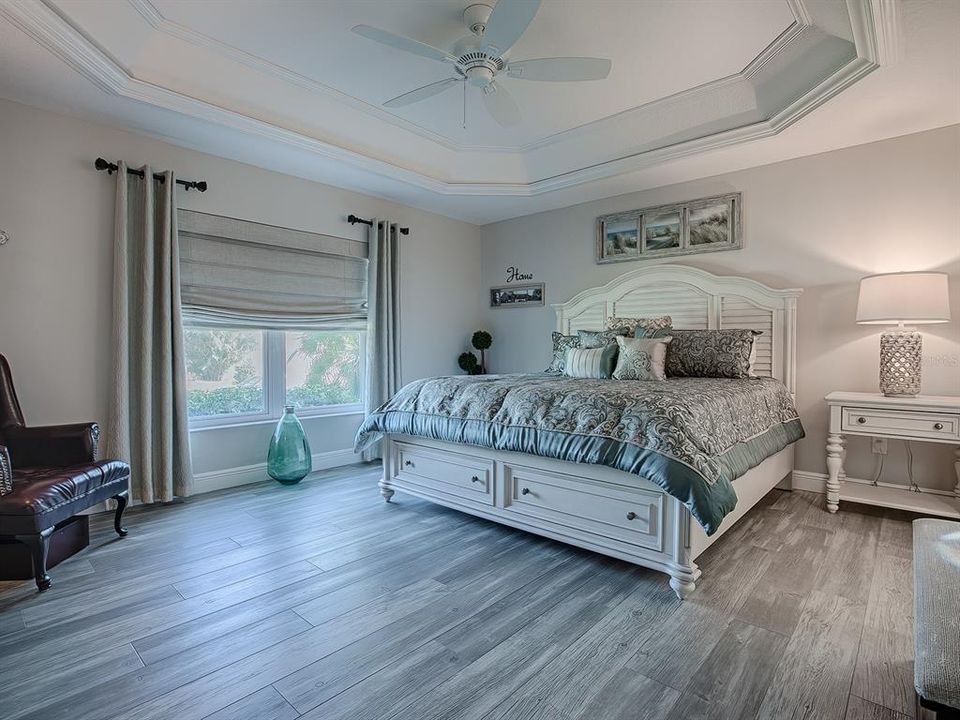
924 418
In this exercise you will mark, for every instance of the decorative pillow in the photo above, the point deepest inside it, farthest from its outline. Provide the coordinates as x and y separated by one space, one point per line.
601 338
649 324
641 332
710 353
561 343
592 363
641 359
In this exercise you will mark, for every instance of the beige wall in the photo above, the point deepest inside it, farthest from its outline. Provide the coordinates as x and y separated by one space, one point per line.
55 272
818 223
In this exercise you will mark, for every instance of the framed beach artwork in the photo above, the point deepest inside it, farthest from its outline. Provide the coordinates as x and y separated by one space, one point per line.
695 226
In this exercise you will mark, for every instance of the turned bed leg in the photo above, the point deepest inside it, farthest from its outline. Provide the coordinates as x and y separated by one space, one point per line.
683 581
39 545
385 490
118 515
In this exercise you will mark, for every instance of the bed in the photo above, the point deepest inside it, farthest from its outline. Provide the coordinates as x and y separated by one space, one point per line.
648 472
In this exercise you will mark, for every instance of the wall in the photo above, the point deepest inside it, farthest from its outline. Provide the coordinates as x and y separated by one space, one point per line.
55 272
818 223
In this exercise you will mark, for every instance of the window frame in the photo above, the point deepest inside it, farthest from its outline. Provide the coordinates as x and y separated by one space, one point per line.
274 383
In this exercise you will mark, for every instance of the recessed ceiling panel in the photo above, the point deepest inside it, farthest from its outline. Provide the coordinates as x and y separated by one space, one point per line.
658 48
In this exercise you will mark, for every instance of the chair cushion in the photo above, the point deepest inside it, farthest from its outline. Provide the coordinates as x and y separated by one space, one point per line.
42 496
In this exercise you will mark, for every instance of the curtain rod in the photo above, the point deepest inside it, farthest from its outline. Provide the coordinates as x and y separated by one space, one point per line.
111 168
353 220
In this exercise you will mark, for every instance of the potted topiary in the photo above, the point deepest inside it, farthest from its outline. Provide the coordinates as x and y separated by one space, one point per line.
482 340
468 363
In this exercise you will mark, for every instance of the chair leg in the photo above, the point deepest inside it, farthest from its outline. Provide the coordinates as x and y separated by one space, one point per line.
118 516
39 545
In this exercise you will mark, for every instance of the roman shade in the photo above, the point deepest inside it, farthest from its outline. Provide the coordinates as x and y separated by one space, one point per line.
235 273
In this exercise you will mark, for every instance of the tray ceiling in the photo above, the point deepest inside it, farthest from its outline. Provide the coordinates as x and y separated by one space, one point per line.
687 78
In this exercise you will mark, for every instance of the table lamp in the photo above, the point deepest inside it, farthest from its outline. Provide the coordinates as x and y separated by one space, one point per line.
903 299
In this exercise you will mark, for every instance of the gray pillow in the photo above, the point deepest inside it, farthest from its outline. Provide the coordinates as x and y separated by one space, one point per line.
591 363
601 338
641 332
641 359
561 343
710 353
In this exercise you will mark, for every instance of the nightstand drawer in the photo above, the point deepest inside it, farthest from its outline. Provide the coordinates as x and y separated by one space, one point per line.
900 423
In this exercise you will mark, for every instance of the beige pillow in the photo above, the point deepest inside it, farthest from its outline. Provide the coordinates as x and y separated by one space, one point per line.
650 324
641 359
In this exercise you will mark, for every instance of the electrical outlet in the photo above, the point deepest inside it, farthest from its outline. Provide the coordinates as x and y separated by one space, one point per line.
878 446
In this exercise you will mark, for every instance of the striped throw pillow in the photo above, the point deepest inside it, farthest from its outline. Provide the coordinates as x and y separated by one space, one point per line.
591 363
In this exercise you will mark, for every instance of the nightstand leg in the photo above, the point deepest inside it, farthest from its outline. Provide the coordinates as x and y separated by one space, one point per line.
835 469
956 469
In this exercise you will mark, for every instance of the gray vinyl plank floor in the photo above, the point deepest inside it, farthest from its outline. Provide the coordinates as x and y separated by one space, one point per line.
321 602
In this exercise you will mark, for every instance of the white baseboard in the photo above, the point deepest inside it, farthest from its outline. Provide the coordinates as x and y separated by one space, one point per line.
248 474
812 481
817 482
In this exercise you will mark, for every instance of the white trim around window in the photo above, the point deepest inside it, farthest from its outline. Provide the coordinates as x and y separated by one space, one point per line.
275 389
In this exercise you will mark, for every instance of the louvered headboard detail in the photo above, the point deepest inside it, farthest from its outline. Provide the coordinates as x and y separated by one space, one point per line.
696 300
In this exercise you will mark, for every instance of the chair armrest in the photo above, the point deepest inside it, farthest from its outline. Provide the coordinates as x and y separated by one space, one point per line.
6 471
52 445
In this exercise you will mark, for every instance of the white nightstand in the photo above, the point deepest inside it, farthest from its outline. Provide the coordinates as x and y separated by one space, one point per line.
925 418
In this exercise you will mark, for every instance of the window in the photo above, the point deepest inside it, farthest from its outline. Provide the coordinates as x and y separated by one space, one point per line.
249 375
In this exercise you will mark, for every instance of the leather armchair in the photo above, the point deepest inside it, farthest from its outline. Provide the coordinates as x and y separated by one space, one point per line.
48 474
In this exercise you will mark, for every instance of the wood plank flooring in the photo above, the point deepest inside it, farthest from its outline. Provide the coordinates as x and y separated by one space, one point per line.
321 602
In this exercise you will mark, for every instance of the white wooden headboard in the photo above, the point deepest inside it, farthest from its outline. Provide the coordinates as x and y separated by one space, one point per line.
696 300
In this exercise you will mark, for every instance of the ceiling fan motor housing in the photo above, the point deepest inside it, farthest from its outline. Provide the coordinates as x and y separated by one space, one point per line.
479 68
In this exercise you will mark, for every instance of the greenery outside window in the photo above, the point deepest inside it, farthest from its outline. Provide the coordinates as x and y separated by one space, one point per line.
238 376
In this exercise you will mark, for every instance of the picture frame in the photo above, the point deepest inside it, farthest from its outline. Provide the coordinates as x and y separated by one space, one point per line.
703 225
511 296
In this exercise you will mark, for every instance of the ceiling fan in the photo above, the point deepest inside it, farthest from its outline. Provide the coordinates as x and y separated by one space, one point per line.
481 58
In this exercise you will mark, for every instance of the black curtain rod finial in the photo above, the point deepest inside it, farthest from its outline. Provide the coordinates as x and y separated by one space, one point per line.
353 220
111 168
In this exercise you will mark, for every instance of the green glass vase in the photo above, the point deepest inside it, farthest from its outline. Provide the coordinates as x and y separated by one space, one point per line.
288 459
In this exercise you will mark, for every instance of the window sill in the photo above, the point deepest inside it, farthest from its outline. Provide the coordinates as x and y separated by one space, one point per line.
341 411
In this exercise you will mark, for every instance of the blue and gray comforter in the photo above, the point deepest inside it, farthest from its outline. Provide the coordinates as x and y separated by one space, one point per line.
690 436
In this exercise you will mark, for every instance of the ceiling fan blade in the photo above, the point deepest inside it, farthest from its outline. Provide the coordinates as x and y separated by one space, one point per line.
560 69
402 43
501 105
422 93
508 21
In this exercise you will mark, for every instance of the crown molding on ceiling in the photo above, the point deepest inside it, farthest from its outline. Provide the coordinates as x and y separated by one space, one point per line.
875 25
156 20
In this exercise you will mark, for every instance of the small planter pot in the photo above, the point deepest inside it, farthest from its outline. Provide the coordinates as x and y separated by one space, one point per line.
289 460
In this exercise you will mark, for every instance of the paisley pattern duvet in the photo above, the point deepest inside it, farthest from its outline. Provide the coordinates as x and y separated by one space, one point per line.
690 436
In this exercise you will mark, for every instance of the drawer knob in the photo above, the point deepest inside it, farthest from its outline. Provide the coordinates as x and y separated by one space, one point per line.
631 515
525 491
474 479
408 463
861 420
938 426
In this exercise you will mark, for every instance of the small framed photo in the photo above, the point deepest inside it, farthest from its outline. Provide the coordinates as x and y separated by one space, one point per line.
662 229
516 295
618 237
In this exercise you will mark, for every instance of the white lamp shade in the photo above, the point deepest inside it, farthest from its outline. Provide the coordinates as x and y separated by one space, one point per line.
909 297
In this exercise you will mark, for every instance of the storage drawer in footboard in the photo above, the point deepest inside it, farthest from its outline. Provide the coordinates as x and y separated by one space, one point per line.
623 514
452 473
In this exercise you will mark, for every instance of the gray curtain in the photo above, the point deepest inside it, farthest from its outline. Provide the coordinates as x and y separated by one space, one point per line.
147 424
383 320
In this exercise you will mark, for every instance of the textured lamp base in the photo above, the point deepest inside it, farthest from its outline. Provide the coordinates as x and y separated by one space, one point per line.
900 353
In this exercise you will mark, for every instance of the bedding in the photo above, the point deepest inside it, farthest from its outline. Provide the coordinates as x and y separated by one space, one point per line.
691 436
561 343
649 324
591 363
641 358
711 353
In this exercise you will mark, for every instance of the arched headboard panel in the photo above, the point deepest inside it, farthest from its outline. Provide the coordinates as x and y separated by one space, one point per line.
696 300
